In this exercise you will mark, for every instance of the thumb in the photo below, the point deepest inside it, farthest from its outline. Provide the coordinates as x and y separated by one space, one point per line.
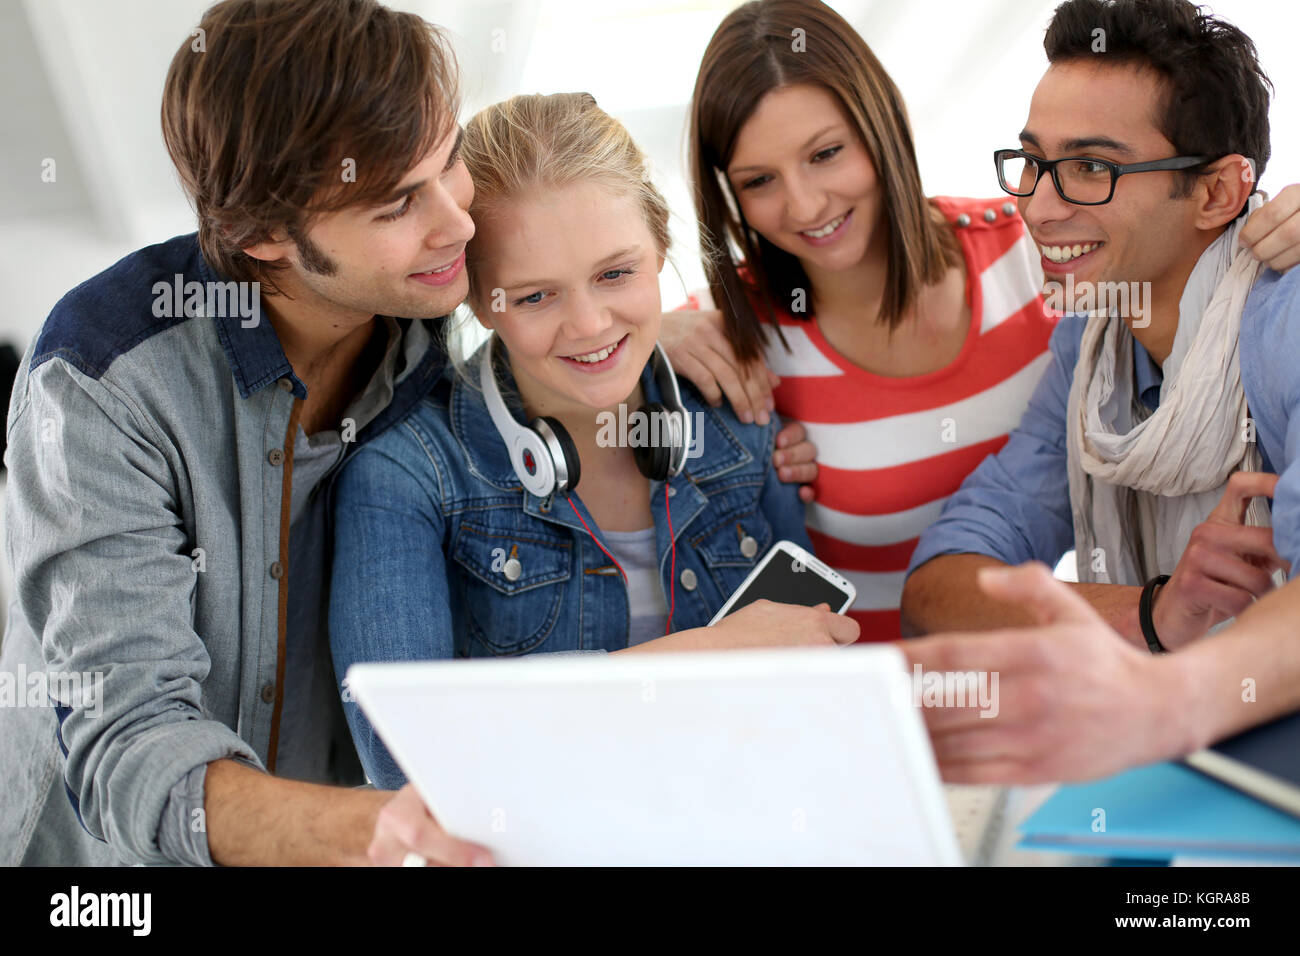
1032 586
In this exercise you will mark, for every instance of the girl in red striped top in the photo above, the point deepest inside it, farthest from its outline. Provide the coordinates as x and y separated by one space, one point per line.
907 333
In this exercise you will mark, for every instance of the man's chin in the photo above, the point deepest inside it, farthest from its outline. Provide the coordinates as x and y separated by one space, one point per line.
437 309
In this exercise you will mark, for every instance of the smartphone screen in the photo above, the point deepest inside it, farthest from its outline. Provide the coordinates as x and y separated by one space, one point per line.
786 580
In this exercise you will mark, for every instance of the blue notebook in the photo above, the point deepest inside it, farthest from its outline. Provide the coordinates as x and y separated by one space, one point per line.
1158 812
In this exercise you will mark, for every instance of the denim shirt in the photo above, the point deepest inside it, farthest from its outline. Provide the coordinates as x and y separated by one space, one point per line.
427 515
147 515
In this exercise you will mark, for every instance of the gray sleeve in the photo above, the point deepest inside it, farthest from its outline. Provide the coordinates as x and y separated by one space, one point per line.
183 827
101 571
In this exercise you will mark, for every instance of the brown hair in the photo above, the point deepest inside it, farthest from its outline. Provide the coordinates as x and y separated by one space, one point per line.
265 104
765 45
514 147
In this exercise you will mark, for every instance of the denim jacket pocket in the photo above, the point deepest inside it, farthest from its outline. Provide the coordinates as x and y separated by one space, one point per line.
514 585
732 546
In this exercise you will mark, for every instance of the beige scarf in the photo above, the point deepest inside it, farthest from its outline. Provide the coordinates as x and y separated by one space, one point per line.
1140 484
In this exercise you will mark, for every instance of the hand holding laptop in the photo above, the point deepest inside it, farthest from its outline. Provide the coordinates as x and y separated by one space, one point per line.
406 834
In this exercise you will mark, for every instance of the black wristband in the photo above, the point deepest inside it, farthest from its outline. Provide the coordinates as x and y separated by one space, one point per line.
1144 614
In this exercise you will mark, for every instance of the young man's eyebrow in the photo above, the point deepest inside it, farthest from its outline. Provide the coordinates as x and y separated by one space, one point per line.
405 191
401 193
455 149
806 143
612 257
1081 143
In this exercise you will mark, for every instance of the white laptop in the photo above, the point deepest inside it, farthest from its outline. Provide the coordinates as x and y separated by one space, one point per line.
762 757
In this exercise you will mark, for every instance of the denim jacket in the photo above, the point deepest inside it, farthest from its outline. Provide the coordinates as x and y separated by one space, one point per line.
426 514
139 442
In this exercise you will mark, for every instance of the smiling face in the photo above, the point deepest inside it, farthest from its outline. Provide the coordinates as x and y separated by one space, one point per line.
1143 234
577 269
804 179
405 257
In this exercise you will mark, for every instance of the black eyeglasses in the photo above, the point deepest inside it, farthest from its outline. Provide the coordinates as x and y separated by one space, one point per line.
1079 180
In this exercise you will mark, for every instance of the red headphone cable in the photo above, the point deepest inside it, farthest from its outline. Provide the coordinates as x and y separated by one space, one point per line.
672 589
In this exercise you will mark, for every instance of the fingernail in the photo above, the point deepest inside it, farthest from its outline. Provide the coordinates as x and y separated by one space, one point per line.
785 474
771 404
778 459
747 417
762 417
483 859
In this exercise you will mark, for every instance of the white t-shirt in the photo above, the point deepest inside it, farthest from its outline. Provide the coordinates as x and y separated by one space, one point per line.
648 612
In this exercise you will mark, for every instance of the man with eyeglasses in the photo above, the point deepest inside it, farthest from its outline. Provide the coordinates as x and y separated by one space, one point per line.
1149 444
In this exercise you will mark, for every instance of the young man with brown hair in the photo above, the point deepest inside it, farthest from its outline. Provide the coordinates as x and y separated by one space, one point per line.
170 431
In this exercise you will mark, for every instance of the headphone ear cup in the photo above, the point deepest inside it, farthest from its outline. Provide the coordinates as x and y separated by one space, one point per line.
572 463
654 458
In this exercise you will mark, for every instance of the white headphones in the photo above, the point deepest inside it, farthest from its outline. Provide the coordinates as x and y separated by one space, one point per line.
544 456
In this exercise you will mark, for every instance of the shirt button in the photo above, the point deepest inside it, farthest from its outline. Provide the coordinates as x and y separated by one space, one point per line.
268 693
989 215
275 456
688 579
672 492
1008 209
286 384
277 570
513 569
748 546
963 221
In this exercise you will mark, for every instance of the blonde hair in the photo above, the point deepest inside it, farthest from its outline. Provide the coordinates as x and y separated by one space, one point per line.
514 147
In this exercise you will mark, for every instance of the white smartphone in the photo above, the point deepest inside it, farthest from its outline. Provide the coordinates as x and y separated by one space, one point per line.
788 574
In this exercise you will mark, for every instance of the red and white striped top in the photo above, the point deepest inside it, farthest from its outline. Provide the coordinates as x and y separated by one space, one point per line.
891 450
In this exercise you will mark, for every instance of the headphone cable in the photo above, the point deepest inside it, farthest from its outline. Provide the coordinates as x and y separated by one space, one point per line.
672 579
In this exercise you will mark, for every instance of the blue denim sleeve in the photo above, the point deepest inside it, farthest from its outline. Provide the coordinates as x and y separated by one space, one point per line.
388 593
1016 505
780 502
1270 341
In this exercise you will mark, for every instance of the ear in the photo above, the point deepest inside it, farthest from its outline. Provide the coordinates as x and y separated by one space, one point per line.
486 323
662 260
482 312
1223 190
271 250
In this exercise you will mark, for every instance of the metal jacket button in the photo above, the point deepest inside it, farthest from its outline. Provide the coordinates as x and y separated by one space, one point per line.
286 385
513 569
688 579
963 221
277 570
748 546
